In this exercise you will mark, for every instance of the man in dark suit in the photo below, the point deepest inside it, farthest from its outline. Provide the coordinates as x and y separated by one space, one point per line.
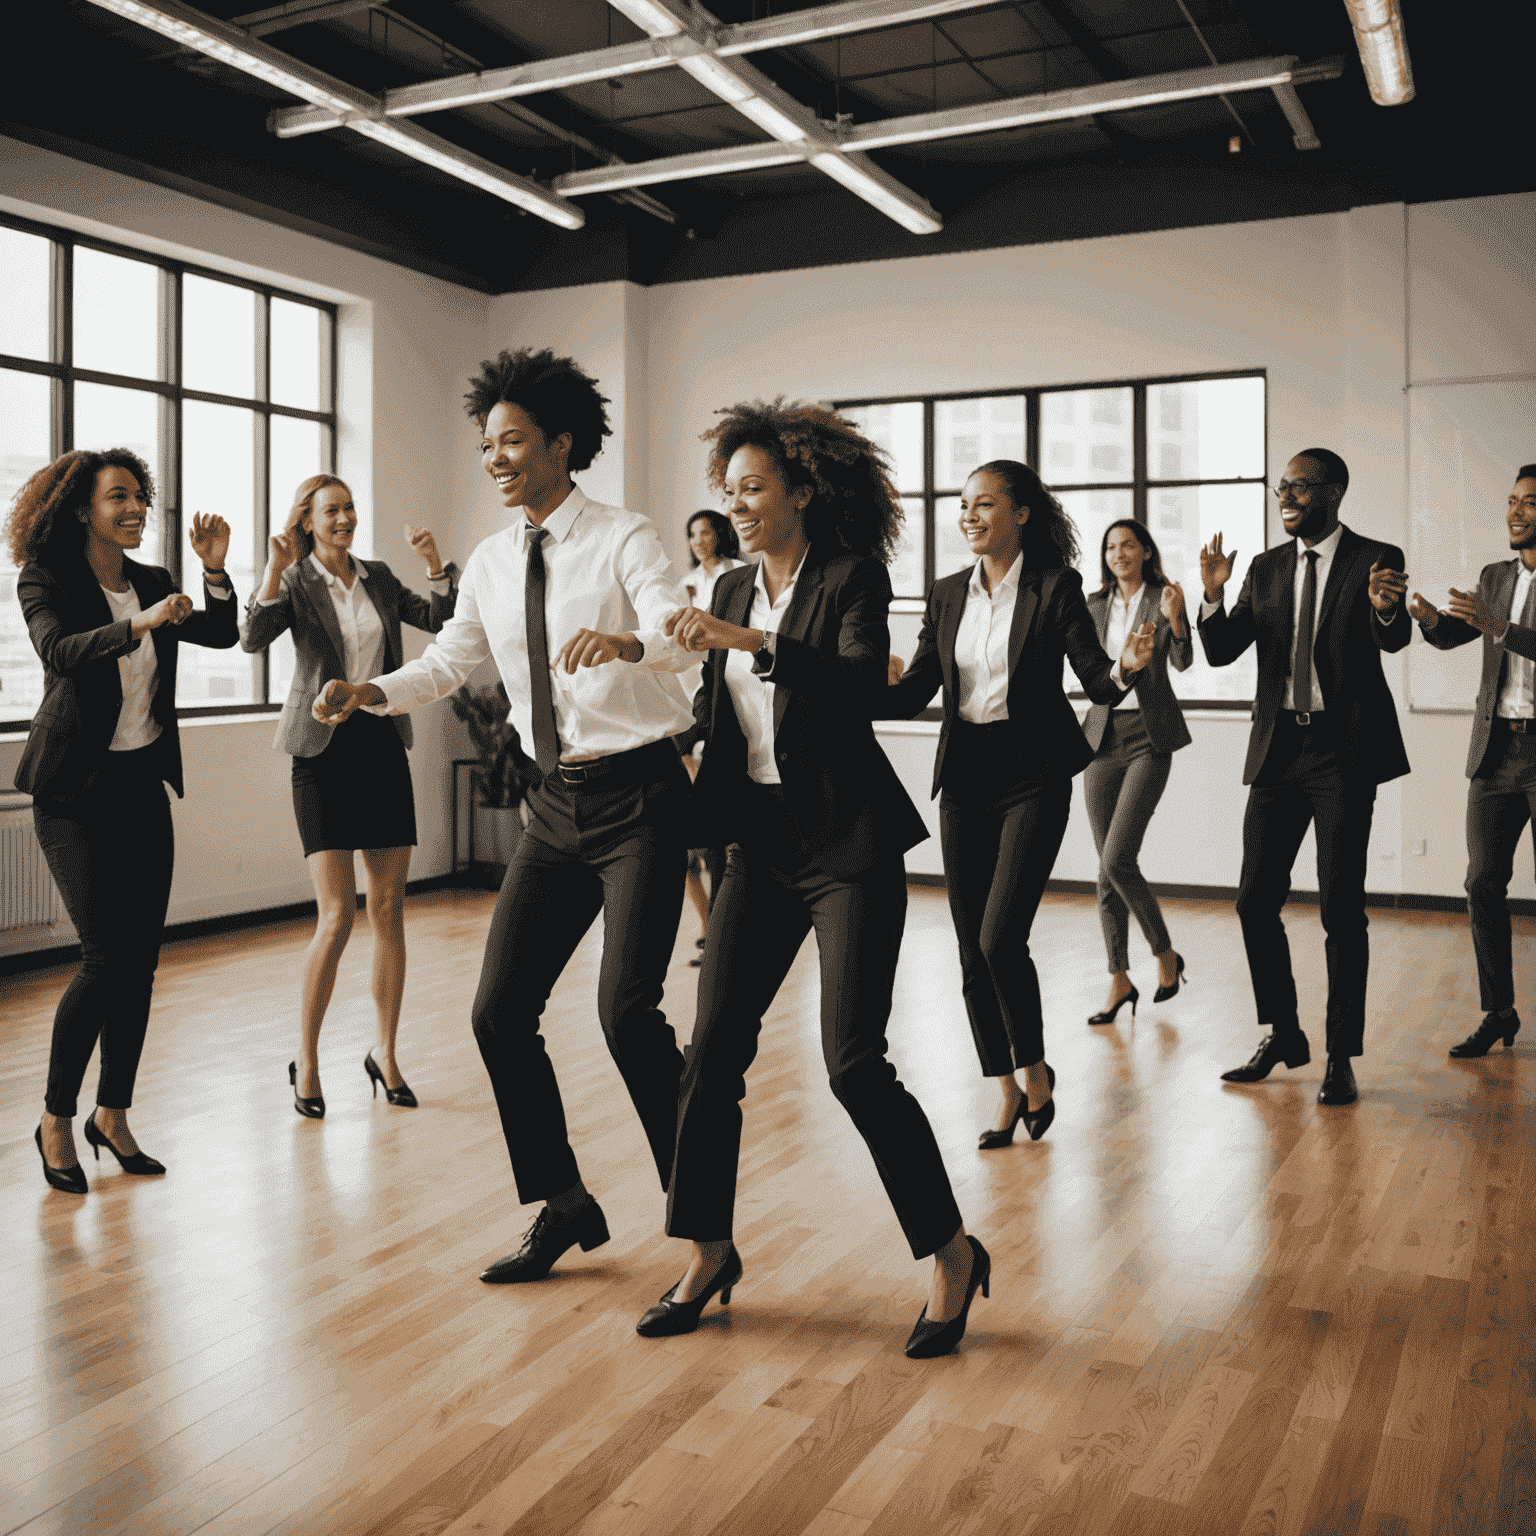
1321 608
1501 759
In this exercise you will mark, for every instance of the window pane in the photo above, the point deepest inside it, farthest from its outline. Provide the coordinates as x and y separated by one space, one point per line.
907 567
117 314
297 453
1085 435
297 339
218 474
218 337
950 553
106 417
971 432
899 430
24 400
1209 429
24 263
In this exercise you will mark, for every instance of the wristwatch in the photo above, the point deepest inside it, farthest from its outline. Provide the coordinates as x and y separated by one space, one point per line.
762 657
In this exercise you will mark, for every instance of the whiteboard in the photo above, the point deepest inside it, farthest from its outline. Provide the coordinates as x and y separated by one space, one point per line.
1465 442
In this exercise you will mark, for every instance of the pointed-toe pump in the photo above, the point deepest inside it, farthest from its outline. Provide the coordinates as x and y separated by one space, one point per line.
311 1109
402 1096
1038 1122
991 1141
668 1317
131 1162
1171 990
69 1181
929 1340
1107 1015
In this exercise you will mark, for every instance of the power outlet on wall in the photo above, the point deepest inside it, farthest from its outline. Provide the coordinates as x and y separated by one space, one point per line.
1419 847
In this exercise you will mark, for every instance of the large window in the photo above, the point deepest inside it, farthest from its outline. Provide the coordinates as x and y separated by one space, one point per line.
1186 456
224 387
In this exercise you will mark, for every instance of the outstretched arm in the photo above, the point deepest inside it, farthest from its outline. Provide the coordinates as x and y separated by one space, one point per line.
918 683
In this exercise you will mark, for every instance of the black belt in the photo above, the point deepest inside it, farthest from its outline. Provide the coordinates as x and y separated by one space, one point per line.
1520 727
633 761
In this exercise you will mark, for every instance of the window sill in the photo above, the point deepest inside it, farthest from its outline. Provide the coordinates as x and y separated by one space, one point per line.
257 716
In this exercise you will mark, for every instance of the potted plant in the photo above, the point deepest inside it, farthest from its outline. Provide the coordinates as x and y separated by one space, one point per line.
499 782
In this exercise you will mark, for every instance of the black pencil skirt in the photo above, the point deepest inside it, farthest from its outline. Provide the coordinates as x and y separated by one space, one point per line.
356 793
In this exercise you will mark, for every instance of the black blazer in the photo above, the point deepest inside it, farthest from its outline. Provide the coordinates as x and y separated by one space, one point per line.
829 657
1347 647
1496 586
1050 624
72 630
1161 713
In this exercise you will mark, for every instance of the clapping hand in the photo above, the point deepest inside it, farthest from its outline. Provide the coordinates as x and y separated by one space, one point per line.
210 539
1423 612
425 545
1215 568
1172 605
894 667
1138 649
282 551
1470 608
1387 587
169 610
696 630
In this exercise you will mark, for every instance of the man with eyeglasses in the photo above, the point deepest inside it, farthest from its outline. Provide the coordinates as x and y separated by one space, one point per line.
1321 608
1501 758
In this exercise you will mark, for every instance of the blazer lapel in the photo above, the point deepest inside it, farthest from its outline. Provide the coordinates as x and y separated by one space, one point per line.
1098 606
1023 617
1284 598
1339 573
949 632
1502 600
319 596
803 606
385 597
1147 609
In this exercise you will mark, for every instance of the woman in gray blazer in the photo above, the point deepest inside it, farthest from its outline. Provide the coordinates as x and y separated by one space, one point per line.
1134 742
352 782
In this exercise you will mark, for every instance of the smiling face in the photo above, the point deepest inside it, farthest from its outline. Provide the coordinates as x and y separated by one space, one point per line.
1125 555
118 511
1308 506
528 468
989 521
701 540
332 518
1521 516
767 514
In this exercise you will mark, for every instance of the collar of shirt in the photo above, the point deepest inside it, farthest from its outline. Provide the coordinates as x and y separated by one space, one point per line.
1009 583
333 582
559 522
1325 549
759 582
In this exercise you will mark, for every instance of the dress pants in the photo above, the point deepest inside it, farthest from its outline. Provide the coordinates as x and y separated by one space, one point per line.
1121 788
1000 834
774 894
110 853
1500 800
1302 784
614 845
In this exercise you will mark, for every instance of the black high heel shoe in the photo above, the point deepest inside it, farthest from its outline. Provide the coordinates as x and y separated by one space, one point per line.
1164 993
134 1162
401 1096
1107 1015
71 1181
669 1317
991 1141
1038 1122
931 1339
311 1109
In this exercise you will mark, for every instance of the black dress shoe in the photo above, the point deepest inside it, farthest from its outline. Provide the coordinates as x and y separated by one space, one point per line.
931 1339
1291 1048
402 1096
544 1242
1038 1121
132 1162
669 1318
1171 990
990 1141
1338 1082
311 1109
70 1181
1504 1025
1107 1015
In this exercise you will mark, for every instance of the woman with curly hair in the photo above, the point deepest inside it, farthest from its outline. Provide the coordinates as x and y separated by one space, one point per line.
351 783
101 749
994 637
792 775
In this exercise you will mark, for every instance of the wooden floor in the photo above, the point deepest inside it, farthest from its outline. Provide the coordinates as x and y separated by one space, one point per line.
1213 1310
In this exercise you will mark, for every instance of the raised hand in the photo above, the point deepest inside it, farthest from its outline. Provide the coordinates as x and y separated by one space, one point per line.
1138 649
590 648
169 610
1215 568
1422 612
1471 609
1172 606
1387 587
894 667
209 536
425 545
282 551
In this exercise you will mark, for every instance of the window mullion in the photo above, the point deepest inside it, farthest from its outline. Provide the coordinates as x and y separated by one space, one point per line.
1139 453
930 507
63 342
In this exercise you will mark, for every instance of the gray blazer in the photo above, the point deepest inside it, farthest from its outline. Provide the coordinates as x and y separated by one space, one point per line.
304 606
1496 587
1161 713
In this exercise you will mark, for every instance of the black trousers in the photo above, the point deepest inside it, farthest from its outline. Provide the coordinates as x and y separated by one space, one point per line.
1302 785
1500 801
111 853
614 845
774 894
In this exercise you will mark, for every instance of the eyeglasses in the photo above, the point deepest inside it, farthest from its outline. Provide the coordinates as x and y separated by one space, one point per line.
1300 487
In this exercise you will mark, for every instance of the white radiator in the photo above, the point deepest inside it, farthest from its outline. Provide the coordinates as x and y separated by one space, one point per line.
28 896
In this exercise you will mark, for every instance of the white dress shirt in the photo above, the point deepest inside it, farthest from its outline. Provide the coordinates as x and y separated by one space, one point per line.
752 692
981 645
1517 697
139 673
1116 630
701 584
605 570
362 630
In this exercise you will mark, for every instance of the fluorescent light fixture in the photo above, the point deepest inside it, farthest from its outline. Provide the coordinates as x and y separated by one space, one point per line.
649 17
1383 48
714 76
707 162
825 21
769 118
863 182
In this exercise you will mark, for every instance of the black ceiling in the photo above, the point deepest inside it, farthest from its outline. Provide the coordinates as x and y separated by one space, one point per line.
128 99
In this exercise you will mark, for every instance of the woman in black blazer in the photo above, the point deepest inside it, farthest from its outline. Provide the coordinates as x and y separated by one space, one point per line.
994 637
1134 742
102 746
351 782
793 777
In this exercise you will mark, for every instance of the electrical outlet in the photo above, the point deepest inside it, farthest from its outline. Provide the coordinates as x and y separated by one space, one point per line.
1419 846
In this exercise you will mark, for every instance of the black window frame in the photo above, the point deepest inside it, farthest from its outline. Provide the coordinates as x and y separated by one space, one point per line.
1140 484
65 375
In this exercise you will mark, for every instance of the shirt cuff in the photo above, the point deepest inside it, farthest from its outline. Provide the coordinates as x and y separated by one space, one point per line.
1390 616
223 593
662 653
441 588
1207 609
268 602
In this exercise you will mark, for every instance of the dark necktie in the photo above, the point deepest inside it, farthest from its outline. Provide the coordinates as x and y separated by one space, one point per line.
546 740
1301 667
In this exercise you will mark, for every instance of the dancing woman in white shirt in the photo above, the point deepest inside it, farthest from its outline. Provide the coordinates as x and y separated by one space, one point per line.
352 783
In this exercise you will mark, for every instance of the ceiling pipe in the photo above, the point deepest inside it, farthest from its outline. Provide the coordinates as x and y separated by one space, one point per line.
1383 48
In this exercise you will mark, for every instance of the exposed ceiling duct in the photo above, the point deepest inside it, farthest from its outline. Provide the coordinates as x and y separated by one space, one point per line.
1383 48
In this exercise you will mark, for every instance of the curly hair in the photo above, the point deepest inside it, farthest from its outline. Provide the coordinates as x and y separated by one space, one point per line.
556 395
1152 571
42 524
727 545
1050 536
303 502
854 505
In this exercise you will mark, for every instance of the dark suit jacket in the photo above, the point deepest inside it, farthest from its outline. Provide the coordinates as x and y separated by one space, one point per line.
1347 647
1050 624
304 605
72 630
830 656
1496 586
1161 713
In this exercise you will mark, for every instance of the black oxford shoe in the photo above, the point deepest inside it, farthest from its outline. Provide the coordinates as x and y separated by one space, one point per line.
1291 1048
1338 1082
544 1242
1504 1025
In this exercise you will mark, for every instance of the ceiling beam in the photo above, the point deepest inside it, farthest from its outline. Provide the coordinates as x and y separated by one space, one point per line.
298 13
705 162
